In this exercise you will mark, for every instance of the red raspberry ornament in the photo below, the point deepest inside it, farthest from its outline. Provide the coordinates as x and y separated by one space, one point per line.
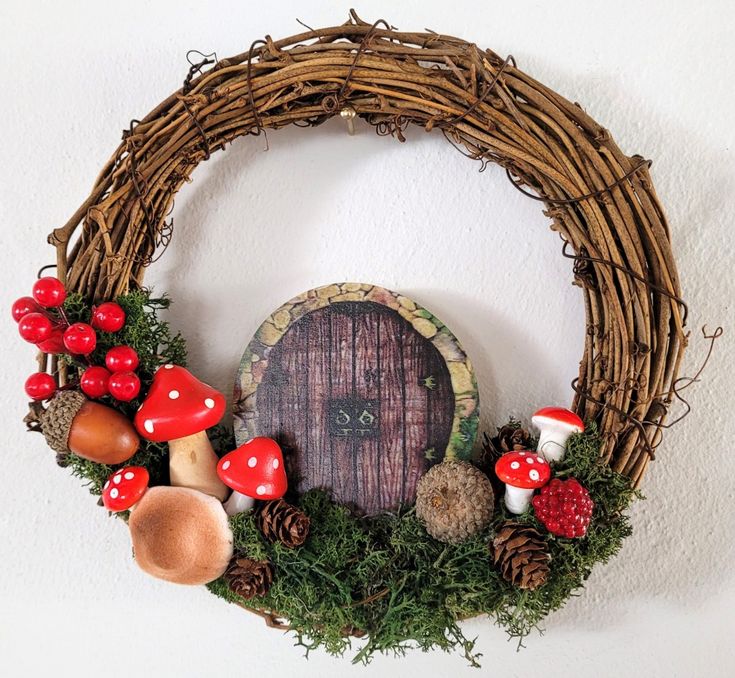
564 507
49 292
108 317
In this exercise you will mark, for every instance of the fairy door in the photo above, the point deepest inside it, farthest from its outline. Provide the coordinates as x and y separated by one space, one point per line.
361 402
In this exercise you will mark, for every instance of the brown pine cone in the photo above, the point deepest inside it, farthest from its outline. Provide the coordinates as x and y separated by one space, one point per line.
249 578
512 437
521 555
509 438
281 522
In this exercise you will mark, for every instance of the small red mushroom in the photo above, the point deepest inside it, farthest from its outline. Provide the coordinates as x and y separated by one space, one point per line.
253 471
178 410
522 472
555 425
124 488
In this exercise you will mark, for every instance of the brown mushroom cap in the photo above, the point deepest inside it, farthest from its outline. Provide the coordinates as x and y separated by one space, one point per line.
181 535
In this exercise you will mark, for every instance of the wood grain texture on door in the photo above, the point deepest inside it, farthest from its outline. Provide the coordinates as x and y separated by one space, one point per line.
361 402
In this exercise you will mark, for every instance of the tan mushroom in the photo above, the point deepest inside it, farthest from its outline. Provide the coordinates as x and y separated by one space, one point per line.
181 535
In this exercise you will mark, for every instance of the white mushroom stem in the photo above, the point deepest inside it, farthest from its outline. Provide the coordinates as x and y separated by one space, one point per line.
517 499
238 503
192 463
552 442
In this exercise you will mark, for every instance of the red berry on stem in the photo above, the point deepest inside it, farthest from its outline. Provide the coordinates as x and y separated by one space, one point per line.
124 386
35 327
40 386
24 306
49 292
94 382
121 359
80 339
108 317
55 343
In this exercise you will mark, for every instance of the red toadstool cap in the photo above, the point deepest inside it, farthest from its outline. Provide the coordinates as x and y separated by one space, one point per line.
178 405
255 469
124 488
558 415
523 469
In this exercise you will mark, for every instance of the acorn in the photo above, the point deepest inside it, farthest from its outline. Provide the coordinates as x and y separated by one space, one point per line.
454 501
71 423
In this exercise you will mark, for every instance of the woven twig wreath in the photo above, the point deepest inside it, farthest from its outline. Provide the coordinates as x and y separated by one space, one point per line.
601 201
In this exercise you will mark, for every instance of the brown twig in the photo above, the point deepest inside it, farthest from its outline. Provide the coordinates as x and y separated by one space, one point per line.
601 201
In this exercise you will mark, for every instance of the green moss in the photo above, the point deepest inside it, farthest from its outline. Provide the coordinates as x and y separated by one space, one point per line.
153 340
385 576
382 576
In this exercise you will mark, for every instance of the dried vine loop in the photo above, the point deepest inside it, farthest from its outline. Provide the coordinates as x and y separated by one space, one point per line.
601 201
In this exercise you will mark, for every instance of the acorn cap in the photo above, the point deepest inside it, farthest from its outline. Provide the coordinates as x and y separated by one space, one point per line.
523 469
454 501
57 419
255 469
181 535
178 405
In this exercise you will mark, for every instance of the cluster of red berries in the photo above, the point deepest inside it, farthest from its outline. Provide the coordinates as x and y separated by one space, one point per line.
564 507
42 321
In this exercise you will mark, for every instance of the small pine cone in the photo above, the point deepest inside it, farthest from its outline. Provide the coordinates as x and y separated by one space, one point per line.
281 522
249 578
520 553
510 438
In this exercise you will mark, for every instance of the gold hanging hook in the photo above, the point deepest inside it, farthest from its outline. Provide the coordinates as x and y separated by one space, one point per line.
349 114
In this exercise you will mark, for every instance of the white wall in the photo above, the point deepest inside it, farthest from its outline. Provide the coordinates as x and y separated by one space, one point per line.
255 228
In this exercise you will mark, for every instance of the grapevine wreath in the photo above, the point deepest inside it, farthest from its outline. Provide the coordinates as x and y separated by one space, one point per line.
511 530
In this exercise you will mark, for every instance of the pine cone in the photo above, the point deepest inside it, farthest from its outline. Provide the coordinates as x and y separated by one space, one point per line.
249 578
454 501
281 522
509 438
520 553
512 437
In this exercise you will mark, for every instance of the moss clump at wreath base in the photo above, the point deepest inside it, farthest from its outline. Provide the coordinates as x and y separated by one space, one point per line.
386 578
383 577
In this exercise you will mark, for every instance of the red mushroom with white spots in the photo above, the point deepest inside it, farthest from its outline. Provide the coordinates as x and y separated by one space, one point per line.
522 472
555 425
178 410
124 489
253 471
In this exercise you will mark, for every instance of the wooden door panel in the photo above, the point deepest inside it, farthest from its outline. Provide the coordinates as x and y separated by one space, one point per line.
360 400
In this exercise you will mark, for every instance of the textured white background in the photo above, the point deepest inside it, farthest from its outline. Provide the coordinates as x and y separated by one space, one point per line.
256 228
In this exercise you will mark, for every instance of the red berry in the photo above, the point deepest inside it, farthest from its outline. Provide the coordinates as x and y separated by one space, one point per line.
124 386
49 292
108 317
40 386
55 343
121 359
564 507
24 306
80 339
35 327
94 382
